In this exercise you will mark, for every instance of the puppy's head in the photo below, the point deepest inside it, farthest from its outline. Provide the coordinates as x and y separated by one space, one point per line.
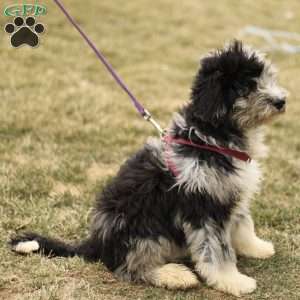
236 86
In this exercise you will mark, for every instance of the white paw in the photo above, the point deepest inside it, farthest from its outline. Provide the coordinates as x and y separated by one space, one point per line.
236 284
173 276
26 247
259 249
264 249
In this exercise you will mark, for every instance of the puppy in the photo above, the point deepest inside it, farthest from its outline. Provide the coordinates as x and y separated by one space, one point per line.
173 200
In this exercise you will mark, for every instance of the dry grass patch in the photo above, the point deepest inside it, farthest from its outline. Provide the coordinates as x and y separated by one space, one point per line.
65 128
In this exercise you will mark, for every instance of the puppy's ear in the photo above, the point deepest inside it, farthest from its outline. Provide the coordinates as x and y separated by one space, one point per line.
208 98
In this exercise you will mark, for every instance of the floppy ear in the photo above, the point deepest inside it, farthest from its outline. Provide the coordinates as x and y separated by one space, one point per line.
209 97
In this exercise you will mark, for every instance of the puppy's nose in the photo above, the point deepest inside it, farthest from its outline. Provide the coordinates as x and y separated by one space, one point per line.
279 103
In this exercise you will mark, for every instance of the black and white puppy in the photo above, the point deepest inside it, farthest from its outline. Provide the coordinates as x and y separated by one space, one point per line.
146 220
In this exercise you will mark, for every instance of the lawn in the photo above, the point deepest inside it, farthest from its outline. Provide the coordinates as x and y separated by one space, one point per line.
65 128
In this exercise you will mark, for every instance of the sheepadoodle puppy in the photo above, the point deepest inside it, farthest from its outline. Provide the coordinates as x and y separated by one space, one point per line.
187 195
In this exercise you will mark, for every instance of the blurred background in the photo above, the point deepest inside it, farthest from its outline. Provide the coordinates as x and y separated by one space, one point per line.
65 127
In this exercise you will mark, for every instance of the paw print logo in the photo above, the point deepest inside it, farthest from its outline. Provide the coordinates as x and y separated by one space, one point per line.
24 32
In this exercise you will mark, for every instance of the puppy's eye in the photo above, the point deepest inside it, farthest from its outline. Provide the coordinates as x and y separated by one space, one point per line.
240 93
243 92
242 89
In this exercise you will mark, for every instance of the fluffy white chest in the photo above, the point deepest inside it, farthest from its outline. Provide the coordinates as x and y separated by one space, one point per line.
195 176
248 179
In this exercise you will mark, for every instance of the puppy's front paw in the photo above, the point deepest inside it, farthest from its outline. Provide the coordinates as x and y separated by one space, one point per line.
265 249
258 249
236 284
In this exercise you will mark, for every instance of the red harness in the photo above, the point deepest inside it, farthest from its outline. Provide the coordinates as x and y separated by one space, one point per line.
224 151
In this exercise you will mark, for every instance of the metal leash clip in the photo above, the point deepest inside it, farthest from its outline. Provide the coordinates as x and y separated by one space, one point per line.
147 116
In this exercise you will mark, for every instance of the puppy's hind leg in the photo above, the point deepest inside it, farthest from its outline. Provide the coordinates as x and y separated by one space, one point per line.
152 262
245 241
172 276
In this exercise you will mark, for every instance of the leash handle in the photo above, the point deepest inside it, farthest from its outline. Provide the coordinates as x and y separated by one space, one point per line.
139 107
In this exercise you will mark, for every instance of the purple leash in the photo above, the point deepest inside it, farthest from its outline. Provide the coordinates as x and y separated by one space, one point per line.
142 111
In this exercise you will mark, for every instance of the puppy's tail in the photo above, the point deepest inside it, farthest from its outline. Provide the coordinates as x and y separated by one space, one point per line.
34 243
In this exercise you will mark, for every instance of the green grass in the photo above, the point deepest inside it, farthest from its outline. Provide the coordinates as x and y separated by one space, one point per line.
65 128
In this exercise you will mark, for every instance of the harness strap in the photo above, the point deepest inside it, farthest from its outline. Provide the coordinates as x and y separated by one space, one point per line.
241 155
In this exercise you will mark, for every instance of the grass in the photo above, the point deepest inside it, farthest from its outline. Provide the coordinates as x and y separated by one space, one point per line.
65 128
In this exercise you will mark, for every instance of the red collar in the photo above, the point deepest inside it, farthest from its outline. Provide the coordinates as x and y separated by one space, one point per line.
224 151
